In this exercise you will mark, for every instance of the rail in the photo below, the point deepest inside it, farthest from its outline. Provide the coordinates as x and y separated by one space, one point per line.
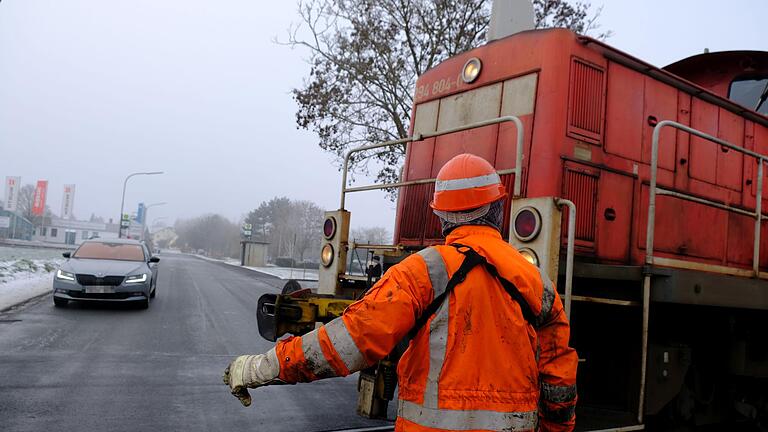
418 137
650 229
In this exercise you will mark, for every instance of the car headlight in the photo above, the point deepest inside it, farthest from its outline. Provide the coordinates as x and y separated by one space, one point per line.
65 275
136 278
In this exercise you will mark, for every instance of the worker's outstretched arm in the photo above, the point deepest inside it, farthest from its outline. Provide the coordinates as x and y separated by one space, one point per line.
557 367
366 333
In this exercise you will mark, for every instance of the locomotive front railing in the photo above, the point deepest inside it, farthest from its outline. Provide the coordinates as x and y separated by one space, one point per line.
650 231
418 137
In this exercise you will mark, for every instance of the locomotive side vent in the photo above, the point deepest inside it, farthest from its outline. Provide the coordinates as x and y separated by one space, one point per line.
586 102
509 181
433 232
581 188
415 209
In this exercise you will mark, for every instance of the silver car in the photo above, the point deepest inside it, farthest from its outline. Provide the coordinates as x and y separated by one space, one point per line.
113 270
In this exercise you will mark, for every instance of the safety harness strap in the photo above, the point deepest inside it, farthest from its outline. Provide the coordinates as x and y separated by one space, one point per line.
471 260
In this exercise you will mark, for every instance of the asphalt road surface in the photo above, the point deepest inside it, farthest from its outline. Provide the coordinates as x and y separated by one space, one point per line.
95 367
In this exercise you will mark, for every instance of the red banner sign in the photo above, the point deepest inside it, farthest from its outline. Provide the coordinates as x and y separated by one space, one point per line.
38 203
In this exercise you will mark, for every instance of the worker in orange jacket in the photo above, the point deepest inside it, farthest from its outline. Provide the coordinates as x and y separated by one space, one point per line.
490 351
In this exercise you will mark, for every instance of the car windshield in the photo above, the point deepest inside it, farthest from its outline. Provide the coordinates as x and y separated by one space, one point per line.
110 251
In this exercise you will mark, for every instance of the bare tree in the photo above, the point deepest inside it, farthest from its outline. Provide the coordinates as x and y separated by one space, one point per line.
365 56
292 228
372 235
213 233
26 201
572 15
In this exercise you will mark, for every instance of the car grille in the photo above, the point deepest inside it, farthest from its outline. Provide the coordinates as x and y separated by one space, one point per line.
86 279
105 296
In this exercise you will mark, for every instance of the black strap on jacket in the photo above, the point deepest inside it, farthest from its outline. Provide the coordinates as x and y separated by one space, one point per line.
471 260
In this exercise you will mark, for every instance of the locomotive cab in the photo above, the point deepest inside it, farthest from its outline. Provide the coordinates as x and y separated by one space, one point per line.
741 76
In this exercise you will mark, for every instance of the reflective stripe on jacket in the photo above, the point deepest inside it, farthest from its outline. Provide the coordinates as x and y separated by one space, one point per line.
477 364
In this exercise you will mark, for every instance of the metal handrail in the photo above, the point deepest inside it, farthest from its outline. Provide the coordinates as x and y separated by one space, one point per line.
418 137
570 245
757 214
650 230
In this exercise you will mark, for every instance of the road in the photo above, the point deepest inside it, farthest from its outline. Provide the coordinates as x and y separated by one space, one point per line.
114 368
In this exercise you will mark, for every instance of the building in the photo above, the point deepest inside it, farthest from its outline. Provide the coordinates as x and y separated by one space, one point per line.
73 232
253 253
14 226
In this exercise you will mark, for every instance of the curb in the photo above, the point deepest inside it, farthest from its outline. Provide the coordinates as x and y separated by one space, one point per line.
24 302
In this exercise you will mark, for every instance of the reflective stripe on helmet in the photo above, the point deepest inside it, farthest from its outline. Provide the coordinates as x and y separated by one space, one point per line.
462 420
467 183
313 355
344 345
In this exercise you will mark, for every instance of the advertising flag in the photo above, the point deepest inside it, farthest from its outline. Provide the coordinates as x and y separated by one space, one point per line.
38 203
12 186
68 202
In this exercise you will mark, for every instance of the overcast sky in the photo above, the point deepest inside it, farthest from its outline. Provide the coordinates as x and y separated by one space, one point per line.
91 91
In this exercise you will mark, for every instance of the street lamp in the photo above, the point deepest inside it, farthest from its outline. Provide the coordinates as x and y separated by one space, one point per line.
122 203
144 217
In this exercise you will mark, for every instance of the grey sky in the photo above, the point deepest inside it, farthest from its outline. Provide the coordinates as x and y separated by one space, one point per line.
93 90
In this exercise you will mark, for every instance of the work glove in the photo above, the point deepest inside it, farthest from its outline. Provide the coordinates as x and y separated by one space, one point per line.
252 371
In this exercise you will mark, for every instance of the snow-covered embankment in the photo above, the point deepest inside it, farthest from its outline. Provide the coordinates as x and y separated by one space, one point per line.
24 278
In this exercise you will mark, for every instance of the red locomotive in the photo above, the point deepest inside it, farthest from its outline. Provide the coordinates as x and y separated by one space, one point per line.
663 264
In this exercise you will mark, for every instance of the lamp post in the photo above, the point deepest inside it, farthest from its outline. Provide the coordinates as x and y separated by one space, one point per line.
144 218
122 203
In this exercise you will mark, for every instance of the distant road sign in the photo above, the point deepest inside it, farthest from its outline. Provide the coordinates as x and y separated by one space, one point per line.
5 221
247 227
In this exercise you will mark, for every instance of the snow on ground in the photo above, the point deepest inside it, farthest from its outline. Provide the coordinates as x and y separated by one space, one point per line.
22 289
279 272
288 273
26 273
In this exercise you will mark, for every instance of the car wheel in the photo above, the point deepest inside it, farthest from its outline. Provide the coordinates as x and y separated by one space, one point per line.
153 293
144 304
59 302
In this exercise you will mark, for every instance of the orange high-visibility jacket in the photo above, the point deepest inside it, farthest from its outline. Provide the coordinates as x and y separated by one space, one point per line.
477 364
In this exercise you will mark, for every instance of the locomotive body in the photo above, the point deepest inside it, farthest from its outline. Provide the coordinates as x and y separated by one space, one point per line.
669 331
589 113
